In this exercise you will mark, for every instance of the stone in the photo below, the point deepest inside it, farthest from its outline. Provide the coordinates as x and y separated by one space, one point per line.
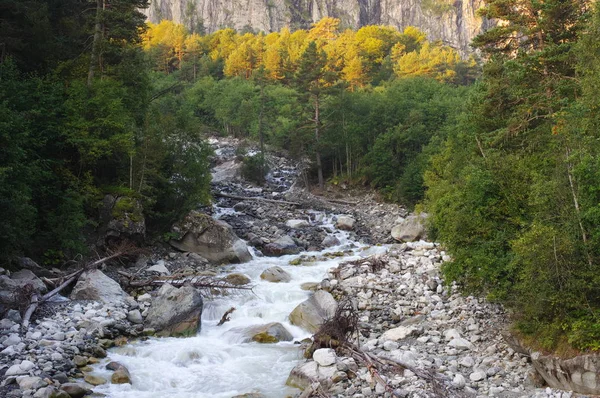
30 382
311 313
303 375
23 368
411 229
75 390
283 246
477 376
6 324
12 340
121 376
460 343
330 241
113 365
324 356
297 224
459 381
94 379
135 316
237 279
14 316
273 332
160 268
275 274
345 223
26 276
11 290
312 286
175 311
95 285
210 238
80 361
580 374
227 171
399 333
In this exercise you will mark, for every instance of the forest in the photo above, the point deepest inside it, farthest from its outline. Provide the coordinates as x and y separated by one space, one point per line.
501 149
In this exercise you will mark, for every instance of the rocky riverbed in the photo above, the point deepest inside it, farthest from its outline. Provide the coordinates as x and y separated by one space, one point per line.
321 244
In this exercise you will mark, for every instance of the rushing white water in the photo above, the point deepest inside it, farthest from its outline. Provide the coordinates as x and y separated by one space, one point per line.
215 363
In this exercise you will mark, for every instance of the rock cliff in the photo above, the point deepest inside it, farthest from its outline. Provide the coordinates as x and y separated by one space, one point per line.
453 22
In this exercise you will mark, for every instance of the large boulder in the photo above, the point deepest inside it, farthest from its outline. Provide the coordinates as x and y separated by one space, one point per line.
311 314
297 224
227 171
175 311
275 274
580 374
410 229
281 247
210 238
345 223
18 289
95 285
305 374
273 332
121 217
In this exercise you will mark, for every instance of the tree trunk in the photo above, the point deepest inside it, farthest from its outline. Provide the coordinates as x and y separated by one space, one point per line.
96 42
317 142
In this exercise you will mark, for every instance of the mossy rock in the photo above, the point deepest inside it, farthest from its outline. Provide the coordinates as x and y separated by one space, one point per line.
264 338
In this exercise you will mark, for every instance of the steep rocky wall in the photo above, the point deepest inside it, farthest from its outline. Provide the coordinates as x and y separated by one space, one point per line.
455 23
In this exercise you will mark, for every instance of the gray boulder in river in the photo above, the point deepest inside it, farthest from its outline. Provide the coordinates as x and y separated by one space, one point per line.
210 238
311 314
175 311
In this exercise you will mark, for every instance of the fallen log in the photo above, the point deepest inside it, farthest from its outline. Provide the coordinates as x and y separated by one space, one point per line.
340 201
257 198
208 284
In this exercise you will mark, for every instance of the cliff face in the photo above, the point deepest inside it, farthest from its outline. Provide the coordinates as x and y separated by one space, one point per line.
453 22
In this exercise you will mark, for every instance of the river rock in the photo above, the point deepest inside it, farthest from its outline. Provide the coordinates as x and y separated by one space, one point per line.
175 311
345 223
330 241
227 171
297 224
121 376
311 314
11 289
237 279
210 238
273 332
30 382
580 374
75 390
324 356
282 246
25 277
399 333
275 274
135 316
160 268
94 379
95 285
412 228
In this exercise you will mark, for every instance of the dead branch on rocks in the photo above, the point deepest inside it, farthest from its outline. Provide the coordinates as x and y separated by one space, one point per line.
225 317
257 198
337 330
209 285
314 390
440 385
340 201
35 300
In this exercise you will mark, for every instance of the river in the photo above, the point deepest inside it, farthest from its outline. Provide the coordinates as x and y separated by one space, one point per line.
215 363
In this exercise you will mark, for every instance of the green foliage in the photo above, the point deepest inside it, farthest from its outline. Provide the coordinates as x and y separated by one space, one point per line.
255 168
514 191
